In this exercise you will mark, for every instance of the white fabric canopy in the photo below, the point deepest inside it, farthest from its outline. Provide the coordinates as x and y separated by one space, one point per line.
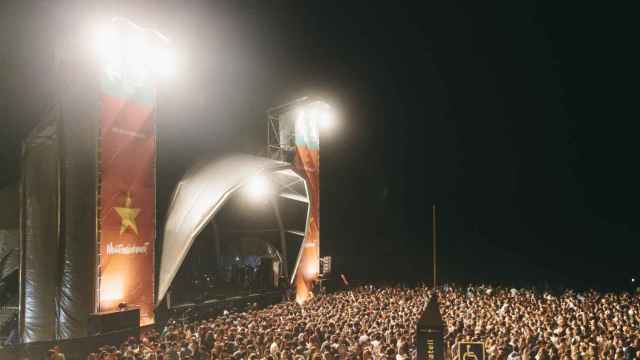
201 194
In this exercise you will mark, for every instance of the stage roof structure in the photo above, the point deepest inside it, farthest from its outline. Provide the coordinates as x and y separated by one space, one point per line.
204 190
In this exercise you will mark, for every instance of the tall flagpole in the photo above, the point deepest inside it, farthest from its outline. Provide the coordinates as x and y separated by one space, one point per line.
435 283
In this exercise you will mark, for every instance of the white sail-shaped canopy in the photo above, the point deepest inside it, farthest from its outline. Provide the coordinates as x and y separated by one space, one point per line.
203 191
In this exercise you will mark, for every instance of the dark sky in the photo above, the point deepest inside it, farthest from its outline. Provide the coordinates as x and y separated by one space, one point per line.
517 119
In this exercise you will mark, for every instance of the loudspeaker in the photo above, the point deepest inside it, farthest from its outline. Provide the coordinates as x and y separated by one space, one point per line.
105 322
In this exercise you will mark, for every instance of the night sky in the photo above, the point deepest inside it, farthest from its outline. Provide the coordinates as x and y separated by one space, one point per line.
518 119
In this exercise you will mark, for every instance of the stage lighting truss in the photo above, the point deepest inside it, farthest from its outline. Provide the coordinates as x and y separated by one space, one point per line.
306 117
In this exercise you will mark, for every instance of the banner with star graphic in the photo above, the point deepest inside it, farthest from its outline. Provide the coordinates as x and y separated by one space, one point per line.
127 155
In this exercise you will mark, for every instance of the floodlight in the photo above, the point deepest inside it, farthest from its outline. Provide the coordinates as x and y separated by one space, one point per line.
164 62
107 46
258 187
136 47
327 119
317 112
129 51
138 73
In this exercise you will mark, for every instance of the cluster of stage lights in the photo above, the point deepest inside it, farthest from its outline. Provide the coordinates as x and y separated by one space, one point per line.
319 113
134 54
311 118
130 52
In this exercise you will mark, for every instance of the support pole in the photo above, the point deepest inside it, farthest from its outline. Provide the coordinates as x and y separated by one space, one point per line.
22 239
435 256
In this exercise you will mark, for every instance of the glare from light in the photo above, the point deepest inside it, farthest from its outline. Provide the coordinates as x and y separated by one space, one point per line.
311 270
112 289
315 113
319 113
137 57
136 48
164 62
108 48
633 280
327 119
106 40
258 188
138 73
126 50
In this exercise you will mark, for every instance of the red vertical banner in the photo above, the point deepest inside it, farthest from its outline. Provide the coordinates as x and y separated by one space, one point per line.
127 155
127 159
308 163
309 264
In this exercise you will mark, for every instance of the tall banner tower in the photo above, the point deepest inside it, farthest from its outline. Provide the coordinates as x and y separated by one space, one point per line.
126 170
294 136
88 184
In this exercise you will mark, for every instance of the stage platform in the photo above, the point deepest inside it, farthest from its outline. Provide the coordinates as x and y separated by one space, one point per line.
216 305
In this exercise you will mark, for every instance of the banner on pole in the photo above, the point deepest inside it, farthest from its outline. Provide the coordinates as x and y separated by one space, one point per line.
127 155
307 161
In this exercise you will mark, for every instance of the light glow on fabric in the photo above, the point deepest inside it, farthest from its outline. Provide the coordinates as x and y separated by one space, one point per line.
112 290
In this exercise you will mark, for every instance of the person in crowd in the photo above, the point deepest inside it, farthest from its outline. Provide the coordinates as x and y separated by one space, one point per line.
55 354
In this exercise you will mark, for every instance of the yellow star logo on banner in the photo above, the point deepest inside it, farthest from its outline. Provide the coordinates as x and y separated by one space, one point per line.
128 216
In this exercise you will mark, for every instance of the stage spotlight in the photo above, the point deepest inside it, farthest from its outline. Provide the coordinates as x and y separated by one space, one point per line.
258 187
319 113
137 52
127 50
164 62
106 41
108 48
139 73
327 119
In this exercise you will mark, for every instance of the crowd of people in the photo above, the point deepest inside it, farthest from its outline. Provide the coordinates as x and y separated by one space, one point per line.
372 323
